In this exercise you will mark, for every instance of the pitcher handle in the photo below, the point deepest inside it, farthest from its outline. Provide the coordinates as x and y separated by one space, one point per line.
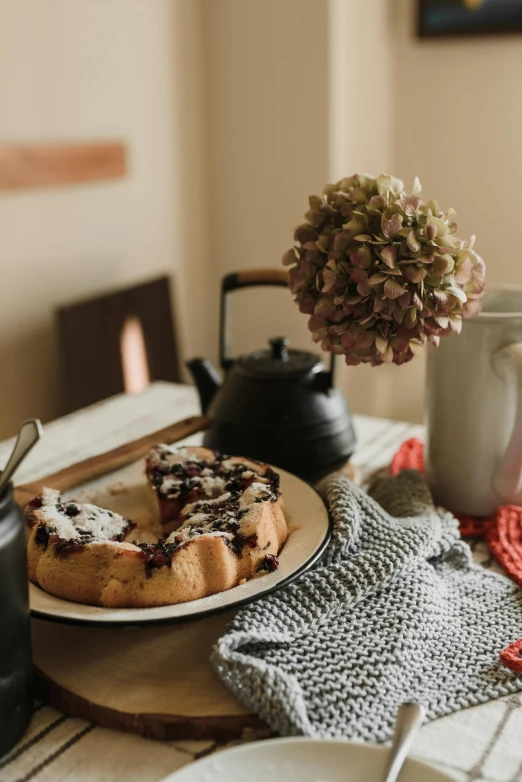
507 480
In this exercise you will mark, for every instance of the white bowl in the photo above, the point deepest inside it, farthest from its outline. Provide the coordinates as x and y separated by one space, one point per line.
302 760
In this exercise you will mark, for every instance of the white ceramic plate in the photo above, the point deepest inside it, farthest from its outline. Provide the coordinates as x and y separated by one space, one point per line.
125 491
302 760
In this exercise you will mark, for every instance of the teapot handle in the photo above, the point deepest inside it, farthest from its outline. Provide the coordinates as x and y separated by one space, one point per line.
250 277
247 279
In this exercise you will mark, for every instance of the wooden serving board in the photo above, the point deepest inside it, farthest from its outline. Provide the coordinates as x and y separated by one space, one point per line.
155 681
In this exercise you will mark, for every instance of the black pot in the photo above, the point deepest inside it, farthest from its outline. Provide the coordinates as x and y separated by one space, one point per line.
15 642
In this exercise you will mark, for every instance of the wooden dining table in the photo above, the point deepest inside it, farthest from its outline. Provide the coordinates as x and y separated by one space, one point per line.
479 743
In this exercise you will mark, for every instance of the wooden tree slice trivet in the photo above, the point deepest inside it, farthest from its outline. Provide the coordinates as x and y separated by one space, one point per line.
155 681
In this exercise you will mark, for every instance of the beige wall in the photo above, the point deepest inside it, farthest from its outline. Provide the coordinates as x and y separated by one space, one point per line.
290 108
305 92
267 126
457 119
469 154
234 111
361 113
94 69
295 99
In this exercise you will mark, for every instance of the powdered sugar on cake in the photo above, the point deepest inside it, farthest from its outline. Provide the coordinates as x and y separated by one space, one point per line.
73 521
210 485
178 472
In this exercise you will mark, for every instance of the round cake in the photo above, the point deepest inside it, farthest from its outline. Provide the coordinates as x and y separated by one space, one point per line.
222 519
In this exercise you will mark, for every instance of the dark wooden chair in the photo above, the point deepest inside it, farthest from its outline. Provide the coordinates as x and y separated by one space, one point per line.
117 342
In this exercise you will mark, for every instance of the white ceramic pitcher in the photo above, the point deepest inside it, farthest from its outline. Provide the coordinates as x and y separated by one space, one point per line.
474 409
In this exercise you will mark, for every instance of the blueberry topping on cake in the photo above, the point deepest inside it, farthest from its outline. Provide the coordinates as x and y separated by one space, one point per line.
190 474
269 564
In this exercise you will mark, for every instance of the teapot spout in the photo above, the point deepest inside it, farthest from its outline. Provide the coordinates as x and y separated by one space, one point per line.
206 378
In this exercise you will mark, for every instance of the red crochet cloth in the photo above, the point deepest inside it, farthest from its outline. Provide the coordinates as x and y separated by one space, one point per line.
511 656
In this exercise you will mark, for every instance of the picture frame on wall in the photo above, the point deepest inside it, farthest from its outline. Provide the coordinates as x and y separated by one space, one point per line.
445 18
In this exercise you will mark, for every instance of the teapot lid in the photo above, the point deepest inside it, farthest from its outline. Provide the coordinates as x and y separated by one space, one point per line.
278 360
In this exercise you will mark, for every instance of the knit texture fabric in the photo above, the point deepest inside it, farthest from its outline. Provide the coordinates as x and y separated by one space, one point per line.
394 611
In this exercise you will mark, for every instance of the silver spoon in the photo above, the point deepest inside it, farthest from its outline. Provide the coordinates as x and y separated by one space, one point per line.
28 435
409 719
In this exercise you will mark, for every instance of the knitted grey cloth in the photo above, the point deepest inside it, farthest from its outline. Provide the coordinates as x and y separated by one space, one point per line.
394 611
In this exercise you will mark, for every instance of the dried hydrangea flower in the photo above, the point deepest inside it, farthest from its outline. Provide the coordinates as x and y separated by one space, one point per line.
380 272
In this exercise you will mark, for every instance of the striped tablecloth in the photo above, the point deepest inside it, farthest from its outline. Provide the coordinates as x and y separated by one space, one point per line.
481 743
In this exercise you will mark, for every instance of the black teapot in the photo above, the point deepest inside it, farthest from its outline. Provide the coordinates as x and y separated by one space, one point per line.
277 405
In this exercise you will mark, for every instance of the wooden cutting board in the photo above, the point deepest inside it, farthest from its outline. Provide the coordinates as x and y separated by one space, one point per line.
153 680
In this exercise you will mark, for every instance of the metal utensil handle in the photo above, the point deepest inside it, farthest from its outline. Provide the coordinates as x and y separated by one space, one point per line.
248 279
28 435
409 719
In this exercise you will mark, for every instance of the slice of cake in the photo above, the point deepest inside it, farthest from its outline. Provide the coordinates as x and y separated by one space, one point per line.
71 546
184 476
